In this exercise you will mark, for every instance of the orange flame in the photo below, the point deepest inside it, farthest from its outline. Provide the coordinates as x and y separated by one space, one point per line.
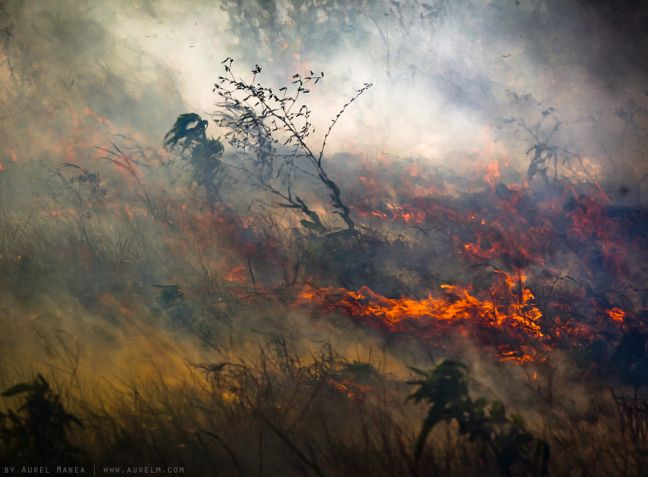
510 307
616 314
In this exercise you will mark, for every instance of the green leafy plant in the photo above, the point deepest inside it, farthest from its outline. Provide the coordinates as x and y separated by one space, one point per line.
445 388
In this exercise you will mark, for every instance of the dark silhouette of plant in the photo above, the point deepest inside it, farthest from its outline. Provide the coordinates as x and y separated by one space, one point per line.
276 127
203 154
171 301
545 152
445 388
37 430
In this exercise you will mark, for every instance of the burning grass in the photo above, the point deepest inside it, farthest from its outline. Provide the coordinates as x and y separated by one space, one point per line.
255 308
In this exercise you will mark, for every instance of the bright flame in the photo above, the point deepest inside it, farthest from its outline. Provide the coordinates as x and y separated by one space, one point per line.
509 308
616 314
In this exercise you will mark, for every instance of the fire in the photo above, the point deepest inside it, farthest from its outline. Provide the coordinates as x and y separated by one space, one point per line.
354 391
509 307
510 226
616 314
492 173
237 274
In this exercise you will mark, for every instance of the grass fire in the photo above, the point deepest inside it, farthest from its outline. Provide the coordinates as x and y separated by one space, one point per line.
323 238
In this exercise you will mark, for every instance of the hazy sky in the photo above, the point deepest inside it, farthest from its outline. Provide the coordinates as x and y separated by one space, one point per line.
446 74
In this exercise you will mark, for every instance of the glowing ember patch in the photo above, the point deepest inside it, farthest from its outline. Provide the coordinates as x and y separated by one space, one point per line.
616 314
356 392
516 356
237 274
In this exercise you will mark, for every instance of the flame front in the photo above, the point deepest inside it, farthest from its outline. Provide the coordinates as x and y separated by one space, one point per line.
508 309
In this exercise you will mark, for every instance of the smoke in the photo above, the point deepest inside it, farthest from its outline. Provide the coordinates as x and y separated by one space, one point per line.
444 72
444 76
454 84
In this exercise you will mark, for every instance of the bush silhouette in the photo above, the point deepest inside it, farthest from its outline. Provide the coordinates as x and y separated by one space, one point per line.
445 388
37 430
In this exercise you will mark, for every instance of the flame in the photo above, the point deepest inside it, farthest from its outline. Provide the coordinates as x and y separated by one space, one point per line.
510 226
509 308
616 314
492 173
353 391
